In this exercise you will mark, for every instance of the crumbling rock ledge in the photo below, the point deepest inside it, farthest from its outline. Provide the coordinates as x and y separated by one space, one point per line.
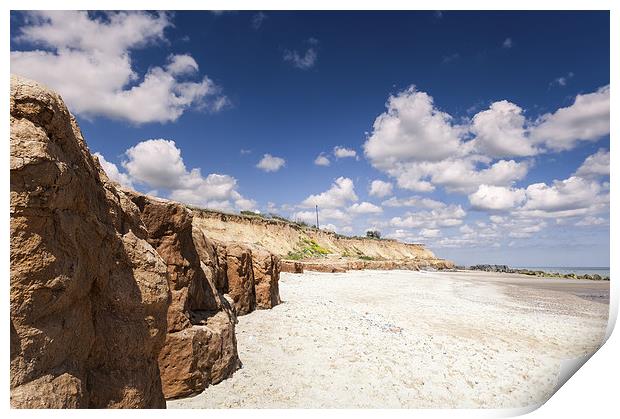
200 347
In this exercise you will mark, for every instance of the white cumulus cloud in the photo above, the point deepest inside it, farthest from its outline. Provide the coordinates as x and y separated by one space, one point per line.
322 160
500 131
422 147
428 233
414 201
157 165
496 198
380 188
341 193
343 152
88 61
364 208
411 129
332 214
329 227
563 198
587 119
595 165
448 216
271 163
590 221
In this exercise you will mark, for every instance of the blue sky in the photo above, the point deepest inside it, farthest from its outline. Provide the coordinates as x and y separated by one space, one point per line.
487 134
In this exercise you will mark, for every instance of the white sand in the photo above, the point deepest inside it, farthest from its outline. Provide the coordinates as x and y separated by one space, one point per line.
407 339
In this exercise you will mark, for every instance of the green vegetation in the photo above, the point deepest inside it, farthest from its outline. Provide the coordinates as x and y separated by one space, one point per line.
252 214
357 254
276 217
295 256
308 248
373 234
279 218
315 247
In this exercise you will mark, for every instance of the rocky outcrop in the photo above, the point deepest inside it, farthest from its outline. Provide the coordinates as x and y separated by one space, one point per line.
240 277
537 273
116 300
213 263
89 294
200 347
440 264
291 266
198 356
266 268
247 275
491 268
329 267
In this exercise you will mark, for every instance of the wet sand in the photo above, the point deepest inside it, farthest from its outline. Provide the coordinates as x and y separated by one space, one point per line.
588 289
411 339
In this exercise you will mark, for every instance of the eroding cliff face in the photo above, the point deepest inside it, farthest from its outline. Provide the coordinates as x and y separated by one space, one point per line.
88 294
341 253
200 347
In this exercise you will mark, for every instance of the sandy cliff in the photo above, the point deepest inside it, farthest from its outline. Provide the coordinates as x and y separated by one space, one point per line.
315 249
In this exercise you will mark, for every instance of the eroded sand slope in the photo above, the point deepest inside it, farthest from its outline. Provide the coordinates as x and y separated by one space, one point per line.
408 339
282 237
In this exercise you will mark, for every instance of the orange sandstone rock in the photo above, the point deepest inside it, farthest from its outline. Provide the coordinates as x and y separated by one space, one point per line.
88 293
200 348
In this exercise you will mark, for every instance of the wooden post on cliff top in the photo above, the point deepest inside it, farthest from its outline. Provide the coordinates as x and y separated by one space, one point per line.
317 216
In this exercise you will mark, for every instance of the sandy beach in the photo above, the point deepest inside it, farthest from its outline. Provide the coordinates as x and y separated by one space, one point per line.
391 339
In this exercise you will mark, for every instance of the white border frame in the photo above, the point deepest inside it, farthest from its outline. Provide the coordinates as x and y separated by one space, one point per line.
591 392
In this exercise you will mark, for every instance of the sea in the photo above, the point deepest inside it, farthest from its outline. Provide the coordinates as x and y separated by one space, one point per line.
577 270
